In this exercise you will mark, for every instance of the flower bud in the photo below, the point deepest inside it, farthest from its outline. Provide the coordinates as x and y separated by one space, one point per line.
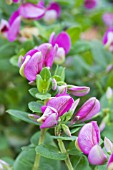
108 18
88 136
96 156
78 90
89 109
108 145
54 84
66 130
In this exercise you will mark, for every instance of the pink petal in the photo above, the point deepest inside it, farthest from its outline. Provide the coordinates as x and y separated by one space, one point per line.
33 66
88 136
31 11
110 161
108 18
63 40
50 121
96 156
14 29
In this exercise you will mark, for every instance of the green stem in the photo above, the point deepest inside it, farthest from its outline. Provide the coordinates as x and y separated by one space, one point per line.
37 158
63 150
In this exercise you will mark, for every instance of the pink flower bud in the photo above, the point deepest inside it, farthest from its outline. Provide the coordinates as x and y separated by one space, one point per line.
16 1
88 137
50 16
96 156
60 56
78 90
89 109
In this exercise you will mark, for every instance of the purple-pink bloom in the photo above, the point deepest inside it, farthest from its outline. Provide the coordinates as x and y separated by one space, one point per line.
78 90
89 109
90 4
62 103
96 156
49 118
108 39
88 137
108 18
31 11
14 26
108 145
34 60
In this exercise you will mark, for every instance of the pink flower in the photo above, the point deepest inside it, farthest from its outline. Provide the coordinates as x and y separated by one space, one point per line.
64 44
49 118
53 11
89 109
35 59
90 4
78 90
62 103
108 19
31 11
108 39
96 156
88 137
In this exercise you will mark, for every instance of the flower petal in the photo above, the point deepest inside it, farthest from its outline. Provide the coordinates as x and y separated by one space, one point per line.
88 136
96 156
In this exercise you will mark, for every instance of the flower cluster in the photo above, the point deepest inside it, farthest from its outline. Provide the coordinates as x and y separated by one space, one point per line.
88 142
43 56
28 11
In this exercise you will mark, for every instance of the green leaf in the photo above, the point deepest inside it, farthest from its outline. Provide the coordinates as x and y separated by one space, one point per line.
25 160
33 91
7 50
50 152
21 115
74 33
35 106
60 72
42 96
81 162
45 74
65 138
42 85
14 60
